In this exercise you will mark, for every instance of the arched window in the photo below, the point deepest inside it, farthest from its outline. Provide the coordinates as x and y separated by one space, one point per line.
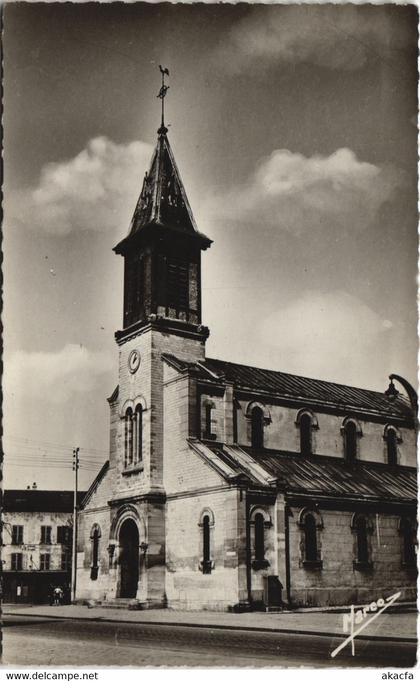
305 426
95 536
128 437
138 434
311 544
391 437
362 540
206 539
259 539
257 428
362 529
350 440
206 525
408 532
310 523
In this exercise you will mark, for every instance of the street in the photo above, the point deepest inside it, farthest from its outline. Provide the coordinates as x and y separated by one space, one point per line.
45 642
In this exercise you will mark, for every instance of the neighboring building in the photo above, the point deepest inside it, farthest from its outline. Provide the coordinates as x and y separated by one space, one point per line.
229 486
37 543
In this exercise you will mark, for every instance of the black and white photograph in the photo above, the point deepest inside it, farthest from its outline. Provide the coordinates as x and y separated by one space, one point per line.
209 385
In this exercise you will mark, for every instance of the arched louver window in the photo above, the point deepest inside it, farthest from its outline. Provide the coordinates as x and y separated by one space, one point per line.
305 426
350 441
311 544
391 446
257 428
128 437
259 536
138 430
362 540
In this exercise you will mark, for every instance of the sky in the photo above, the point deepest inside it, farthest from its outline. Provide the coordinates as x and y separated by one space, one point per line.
294 129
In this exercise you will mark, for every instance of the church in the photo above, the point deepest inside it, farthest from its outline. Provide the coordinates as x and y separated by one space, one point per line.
230 487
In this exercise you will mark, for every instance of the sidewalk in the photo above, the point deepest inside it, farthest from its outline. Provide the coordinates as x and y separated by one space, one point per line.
387 626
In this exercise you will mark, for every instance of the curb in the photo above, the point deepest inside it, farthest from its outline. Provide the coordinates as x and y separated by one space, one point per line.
199 625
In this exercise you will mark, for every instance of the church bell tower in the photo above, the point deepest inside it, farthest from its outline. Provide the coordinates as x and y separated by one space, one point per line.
162 251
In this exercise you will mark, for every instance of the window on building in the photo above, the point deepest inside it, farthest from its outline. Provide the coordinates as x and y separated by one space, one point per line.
206 525
128 437
95 536
259 543
64 535
66 561
362 540
350 441
311 543
408 532
177 278
46 534
257 428
391 438
17 534
44 561
17 561
208 410
305 426
138 434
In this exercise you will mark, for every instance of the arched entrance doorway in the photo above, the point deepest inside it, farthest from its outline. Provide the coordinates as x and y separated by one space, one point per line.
129 559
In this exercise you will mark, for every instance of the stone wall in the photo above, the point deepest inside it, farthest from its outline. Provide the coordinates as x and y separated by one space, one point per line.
337 582
281 432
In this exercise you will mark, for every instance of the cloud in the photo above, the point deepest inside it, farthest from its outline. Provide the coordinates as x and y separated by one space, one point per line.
54 377
95 190
293 192
333 335
333 37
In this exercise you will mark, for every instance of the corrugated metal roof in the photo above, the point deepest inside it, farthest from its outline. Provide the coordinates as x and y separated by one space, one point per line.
298 387
327 475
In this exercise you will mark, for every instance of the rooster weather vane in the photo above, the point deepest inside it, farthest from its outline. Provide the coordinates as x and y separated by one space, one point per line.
162 93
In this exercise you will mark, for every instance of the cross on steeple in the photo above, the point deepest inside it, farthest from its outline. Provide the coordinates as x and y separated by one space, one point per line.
162 94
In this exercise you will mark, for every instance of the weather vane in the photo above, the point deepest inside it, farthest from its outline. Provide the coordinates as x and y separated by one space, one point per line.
162 92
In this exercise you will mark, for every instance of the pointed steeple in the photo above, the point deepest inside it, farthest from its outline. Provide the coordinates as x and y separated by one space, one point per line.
163 200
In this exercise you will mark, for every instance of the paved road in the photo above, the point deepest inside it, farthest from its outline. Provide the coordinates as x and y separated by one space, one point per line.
46 642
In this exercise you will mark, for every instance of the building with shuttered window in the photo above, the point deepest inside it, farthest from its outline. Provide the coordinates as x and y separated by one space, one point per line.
36 543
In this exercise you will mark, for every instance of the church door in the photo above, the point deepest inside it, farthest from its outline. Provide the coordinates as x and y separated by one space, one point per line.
129 559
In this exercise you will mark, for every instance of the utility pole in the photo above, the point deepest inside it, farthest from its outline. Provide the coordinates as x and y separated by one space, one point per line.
74 543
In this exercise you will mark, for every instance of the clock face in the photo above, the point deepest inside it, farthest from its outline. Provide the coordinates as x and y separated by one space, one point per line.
133 361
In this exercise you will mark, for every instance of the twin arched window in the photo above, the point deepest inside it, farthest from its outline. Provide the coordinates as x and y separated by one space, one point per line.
133 436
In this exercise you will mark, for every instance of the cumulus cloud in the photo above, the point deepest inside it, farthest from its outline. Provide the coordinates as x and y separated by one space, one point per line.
333 335
54 376
293 192
95 190
333 37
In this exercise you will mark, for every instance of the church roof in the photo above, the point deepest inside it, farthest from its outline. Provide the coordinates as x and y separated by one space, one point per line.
310 390
315 476
163 200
